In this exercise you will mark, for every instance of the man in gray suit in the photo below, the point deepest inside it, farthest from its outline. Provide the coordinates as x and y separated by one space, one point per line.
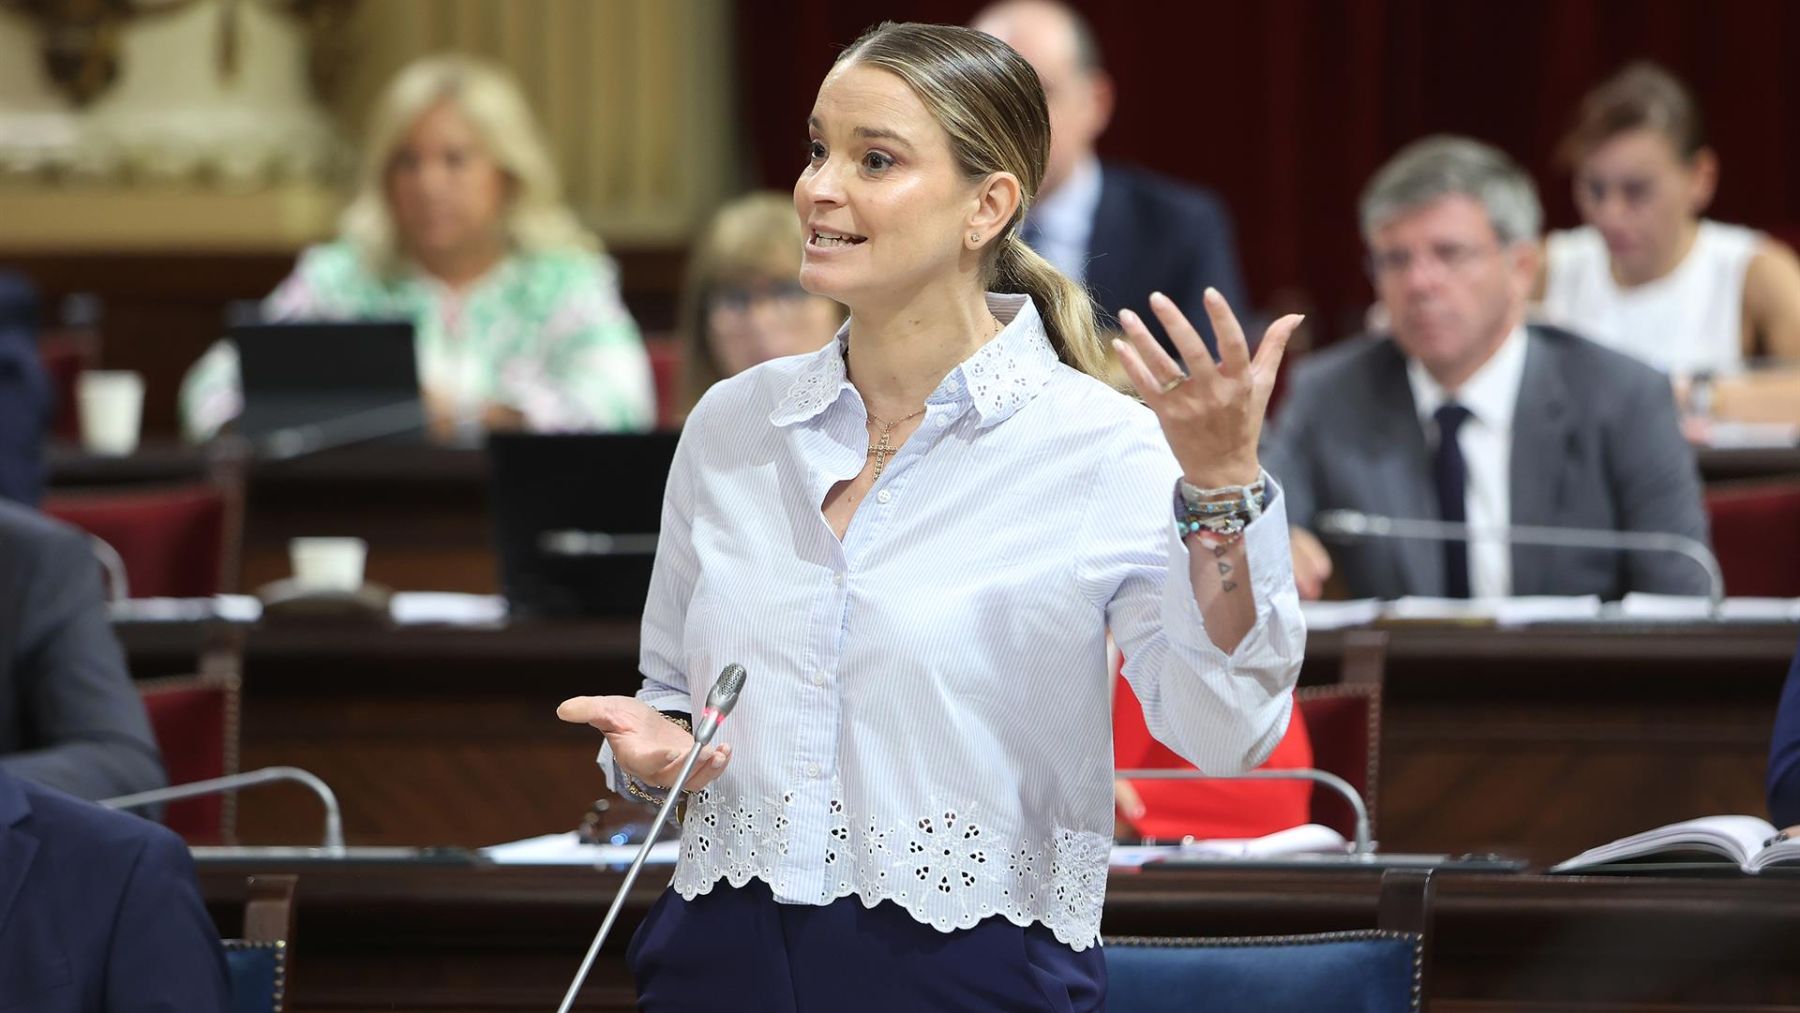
1465 413
70 718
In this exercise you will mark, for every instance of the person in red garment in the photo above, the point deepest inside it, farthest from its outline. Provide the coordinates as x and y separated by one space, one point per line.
1168 811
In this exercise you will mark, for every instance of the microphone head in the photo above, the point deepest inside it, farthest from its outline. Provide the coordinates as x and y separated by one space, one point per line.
724 695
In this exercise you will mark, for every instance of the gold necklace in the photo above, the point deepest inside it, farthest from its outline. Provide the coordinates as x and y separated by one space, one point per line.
885 449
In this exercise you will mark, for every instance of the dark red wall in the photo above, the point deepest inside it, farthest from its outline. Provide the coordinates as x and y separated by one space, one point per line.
1286 106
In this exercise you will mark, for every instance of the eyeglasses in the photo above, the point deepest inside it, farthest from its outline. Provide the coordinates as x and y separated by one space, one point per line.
1451 257
742 298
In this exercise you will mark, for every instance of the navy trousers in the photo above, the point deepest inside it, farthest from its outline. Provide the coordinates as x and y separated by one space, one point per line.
739 950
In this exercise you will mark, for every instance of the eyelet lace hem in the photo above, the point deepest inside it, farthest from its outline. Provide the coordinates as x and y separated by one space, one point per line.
947 867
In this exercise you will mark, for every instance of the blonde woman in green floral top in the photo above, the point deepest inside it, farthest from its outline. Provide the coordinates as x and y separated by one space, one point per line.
459 227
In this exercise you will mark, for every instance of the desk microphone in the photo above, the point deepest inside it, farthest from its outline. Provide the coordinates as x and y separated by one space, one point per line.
719 702
361 426
1356 524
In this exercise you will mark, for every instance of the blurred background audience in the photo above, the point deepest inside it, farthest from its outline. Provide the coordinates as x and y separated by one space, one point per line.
741 301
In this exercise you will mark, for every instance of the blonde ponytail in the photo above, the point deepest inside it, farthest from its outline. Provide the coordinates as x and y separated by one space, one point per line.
1066 307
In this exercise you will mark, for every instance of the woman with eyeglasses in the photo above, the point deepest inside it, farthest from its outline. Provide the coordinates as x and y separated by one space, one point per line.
742 302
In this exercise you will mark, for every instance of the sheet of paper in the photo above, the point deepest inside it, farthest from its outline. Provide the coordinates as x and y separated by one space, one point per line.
1337 615
447 608
568 849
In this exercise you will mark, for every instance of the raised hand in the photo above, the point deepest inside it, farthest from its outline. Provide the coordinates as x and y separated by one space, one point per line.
1212 415
647 745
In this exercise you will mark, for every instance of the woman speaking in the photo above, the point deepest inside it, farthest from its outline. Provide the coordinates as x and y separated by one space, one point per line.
916 539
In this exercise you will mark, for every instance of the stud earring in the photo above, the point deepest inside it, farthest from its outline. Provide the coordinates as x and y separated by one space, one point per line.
974 237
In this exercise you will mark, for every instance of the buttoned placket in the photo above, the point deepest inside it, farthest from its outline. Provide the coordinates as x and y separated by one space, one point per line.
814 764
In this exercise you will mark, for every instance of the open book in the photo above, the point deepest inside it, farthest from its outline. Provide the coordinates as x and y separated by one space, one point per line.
1723 841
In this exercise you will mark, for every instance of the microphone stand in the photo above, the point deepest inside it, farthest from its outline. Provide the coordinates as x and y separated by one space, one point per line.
334 820
719 703
631 874
1355 524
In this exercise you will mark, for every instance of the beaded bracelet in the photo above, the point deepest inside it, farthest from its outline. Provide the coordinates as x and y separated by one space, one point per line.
636 788
1203 511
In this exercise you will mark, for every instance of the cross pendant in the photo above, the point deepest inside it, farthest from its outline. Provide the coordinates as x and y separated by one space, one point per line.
881 452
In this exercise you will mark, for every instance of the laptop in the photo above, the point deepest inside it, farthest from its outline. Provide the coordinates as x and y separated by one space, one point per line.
317 385
576 518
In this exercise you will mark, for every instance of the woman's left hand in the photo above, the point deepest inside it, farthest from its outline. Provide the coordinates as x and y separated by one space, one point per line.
1213 417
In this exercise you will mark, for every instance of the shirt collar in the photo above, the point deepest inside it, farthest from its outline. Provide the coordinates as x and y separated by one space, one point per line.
1068 213
1490 395
996 381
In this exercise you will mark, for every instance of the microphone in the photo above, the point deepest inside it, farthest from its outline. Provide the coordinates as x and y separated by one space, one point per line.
334 820
1356 524
719 704
361 426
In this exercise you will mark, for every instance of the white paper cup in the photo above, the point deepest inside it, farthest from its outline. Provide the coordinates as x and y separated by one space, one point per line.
328 564
111 406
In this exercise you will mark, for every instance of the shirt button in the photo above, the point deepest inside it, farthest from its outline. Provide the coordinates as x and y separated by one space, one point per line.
812 770
837 579
818 678
884 495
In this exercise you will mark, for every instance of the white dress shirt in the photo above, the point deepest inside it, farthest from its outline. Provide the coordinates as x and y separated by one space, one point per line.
1491 396
1064 220
927 716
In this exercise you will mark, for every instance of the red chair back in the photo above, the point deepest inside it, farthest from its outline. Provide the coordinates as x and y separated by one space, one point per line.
64 356
1756 534
173 541
1345 724
195 720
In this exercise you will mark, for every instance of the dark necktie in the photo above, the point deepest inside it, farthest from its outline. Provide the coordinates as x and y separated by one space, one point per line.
1451 476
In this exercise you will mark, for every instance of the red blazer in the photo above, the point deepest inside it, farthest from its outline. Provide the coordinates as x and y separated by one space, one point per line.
1203 809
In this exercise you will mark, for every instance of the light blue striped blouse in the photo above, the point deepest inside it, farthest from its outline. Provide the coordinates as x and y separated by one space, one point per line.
927 715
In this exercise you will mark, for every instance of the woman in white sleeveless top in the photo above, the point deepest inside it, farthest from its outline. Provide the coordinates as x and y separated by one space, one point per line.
1647 274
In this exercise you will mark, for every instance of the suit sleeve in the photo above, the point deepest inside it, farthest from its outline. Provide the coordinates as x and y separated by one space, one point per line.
165 955
1285 449
86 730
24 416
1216 261
1656 482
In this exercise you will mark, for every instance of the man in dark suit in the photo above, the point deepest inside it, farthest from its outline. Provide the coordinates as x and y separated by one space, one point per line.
1123 232
99 912
24 394
69 716
1466 414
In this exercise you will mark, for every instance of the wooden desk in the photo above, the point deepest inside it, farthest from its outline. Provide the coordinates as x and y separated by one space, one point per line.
1537 743
424 510
473 938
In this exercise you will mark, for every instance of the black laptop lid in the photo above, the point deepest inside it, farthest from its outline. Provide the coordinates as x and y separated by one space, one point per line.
343 381
576 519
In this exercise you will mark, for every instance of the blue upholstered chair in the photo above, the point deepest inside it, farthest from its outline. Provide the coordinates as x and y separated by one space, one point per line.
258 963
1379 970
258 975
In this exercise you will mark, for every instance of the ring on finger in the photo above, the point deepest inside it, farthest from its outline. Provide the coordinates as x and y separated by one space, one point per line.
1174 382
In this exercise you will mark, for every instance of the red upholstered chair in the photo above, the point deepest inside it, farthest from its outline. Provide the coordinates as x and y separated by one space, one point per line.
64 355
179 541
1756 533
195 720
667 360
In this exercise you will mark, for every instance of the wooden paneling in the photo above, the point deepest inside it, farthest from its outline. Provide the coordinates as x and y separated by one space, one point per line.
467 938
1531 743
